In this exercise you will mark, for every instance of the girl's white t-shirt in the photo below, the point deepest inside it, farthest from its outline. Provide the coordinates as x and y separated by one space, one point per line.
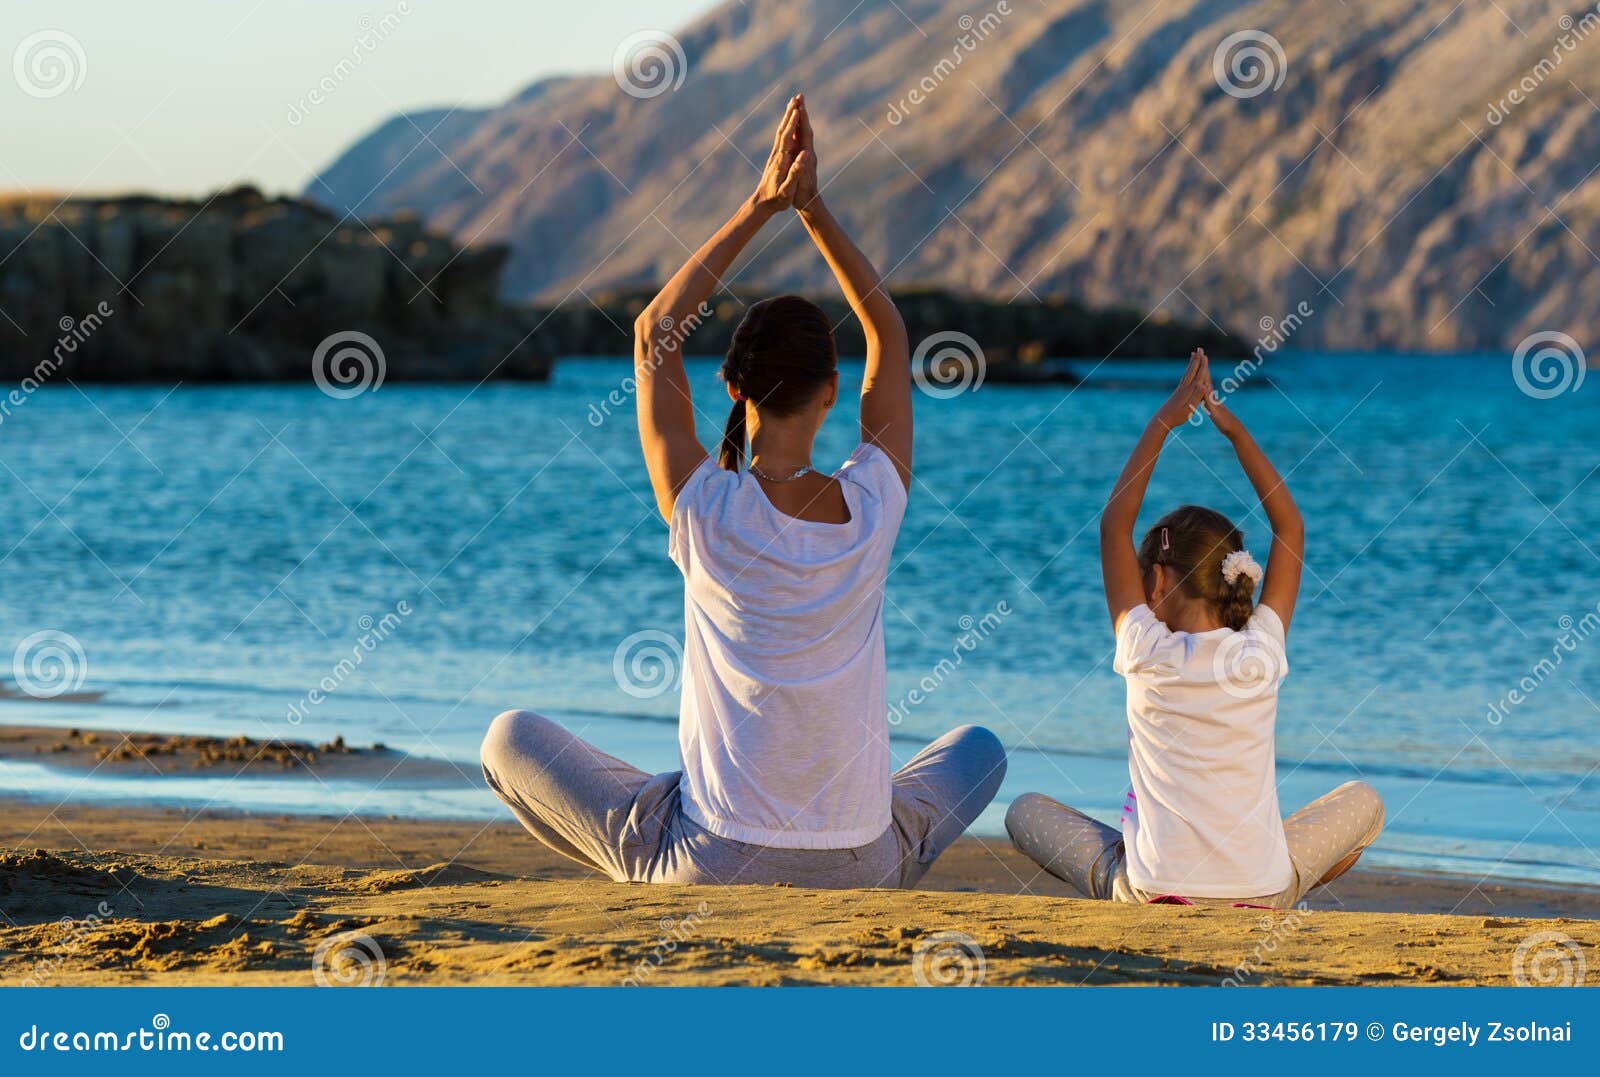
783 720
1202 708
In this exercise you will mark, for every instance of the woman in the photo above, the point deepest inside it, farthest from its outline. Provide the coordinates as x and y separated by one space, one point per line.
783 721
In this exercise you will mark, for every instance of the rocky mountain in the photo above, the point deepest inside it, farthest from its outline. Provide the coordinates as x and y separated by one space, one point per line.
1418 173
241 287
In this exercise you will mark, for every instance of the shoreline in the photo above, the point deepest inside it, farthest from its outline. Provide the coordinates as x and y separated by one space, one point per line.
975 863
172 897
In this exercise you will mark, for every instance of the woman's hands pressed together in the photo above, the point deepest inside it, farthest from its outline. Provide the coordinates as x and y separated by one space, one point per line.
783 175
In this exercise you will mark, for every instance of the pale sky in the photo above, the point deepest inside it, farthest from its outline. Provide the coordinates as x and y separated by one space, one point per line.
185 96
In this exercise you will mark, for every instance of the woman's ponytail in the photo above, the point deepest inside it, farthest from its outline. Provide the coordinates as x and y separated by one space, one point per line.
780 357
730 456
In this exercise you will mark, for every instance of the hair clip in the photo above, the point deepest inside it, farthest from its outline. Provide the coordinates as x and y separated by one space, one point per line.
1166 540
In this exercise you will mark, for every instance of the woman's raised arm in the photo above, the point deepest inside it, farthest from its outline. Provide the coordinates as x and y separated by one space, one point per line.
672 450
886 387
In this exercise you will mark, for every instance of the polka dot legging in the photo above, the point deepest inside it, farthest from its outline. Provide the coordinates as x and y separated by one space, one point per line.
1088 855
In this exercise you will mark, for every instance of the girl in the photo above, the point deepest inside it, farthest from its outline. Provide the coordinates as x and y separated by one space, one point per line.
1203 662
783 719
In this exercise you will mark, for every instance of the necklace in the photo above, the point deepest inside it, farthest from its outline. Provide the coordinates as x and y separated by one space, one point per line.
756 471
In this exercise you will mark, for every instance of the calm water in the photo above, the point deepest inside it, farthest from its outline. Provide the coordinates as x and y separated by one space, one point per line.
214 553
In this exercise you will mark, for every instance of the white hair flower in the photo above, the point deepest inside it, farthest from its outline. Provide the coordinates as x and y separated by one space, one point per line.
1240 563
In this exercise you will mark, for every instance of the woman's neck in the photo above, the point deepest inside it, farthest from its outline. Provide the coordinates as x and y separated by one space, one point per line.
778 451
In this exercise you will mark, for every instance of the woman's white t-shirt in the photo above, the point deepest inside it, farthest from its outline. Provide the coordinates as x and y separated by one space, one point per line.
783 721
1202 708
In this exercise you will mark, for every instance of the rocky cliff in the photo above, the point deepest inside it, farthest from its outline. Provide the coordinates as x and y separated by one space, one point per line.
1010 342
1420 173
246 288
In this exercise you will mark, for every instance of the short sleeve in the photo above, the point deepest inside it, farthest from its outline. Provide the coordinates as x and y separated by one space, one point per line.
1266 621
684 508
1138 639
870 468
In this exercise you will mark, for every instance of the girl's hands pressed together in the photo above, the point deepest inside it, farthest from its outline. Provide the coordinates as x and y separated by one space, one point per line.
1192 391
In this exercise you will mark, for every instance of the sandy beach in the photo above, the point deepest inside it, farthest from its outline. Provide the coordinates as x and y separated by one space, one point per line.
102 895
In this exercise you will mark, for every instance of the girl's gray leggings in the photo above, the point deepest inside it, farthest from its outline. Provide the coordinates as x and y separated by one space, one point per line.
1089 855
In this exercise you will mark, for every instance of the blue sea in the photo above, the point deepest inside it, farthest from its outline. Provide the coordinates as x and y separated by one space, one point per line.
207 557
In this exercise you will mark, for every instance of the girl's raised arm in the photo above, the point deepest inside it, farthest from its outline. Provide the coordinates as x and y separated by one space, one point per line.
886 387
1119 559
1286 557
672 450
